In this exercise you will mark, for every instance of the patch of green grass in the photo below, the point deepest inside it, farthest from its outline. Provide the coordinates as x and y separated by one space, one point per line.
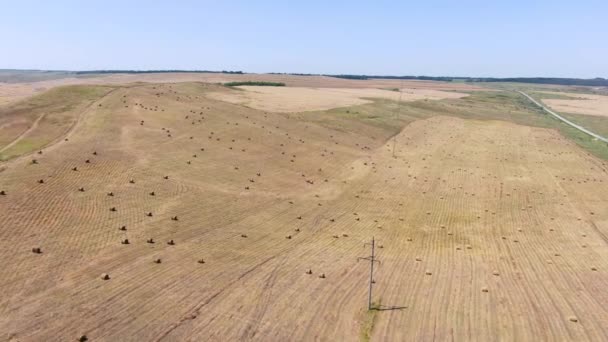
60 107
368 322
540 95
596 124
596 147
25 145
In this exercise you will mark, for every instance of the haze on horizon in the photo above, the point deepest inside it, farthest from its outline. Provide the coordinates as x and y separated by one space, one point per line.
434 38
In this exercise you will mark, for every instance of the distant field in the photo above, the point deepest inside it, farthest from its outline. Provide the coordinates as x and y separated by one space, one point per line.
579 104
22 76
215 221
12 92
297 99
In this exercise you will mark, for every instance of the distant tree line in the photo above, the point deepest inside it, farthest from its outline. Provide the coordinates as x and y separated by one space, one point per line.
594 82
153 71
254 83
597 82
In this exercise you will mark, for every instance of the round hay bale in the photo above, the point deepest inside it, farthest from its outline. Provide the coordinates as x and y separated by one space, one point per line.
37 250
171 242
150 240
125 242
105 276
484 289
201 261
157 261
427 272
573 319
322 276
496 273
83 338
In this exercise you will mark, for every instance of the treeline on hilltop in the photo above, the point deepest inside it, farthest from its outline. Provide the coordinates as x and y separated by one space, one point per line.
36 74
153 71
596 82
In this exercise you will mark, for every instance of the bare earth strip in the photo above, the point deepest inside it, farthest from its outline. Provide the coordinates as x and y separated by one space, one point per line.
488 230
297 99
584 104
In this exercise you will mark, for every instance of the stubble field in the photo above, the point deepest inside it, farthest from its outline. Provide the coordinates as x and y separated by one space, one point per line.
486 230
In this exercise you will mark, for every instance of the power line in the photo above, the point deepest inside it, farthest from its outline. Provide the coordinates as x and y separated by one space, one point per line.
372 259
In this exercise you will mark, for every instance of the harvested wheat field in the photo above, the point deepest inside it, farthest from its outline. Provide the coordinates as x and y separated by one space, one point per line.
298 99
588 104
168 215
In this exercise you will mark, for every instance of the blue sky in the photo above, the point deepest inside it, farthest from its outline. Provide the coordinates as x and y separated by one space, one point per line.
438 38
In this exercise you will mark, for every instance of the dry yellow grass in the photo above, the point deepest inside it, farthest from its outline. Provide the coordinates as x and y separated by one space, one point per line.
298 99
35 122
584 104
490 230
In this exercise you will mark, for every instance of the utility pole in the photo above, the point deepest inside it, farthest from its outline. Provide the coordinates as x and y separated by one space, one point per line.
372 260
